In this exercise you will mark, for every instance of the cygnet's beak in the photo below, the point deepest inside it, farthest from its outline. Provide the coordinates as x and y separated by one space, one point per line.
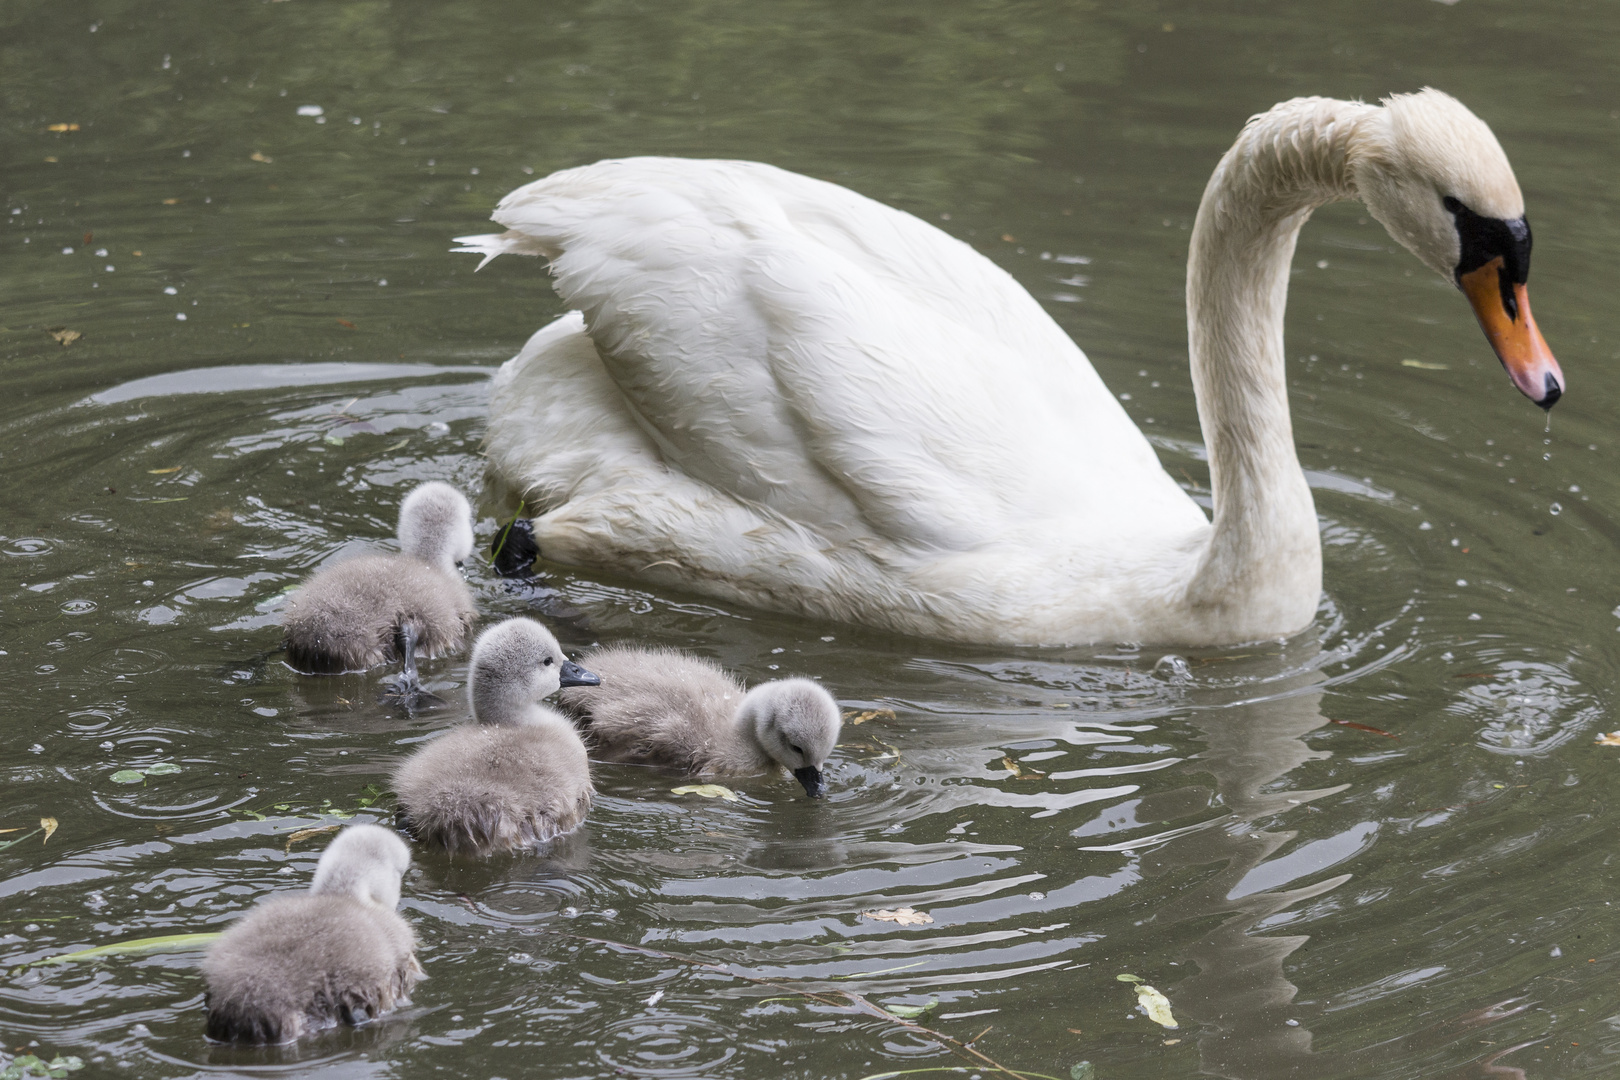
1503 310
574 675
815 784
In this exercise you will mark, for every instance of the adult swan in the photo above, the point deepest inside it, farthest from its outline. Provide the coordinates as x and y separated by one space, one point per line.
778 392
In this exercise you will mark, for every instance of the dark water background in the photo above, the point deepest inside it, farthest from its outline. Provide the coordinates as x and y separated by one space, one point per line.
276 345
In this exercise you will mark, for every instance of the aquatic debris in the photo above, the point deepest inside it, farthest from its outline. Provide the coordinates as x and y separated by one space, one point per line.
1425 365
47 825
260 157
901 916
138 776
1611 739
305 834
1018 771
140 946
853 716
1150 1001
912 1012
25 1065
708 791
1362 727
165 472
1082 1070
346 322
63 127
64 337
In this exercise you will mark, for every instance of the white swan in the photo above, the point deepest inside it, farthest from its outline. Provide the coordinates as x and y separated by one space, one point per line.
778 392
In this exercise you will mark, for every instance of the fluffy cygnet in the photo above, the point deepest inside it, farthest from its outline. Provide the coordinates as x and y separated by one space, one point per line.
338 953
661 707
515 777
376 608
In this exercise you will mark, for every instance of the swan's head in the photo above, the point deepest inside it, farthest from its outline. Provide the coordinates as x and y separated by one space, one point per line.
435 525
365 862
1435 176
797 722
514 665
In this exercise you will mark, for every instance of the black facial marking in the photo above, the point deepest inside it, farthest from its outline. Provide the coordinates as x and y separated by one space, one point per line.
1484 239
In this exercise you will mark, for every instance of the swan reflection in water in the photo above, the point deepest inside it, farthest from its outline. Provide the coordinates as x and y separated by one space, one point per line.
1241 998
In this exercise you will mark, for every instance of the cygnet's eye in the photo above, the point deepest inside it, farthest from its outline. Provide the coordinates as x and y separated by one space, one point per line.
796 750
547 662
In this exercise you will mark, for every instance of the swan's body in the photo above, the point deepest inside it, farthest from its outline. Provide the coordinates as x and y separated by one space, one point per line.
779 392
336 954
661 707
374 609
515 777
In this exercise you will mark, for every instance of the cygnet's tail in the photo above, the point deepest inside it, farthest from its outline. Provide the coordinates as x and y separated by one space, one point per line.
476 822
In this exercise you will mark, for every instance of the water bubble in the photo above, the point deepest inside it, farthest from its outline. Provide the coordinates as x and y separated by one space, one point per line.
1555 509
1173 667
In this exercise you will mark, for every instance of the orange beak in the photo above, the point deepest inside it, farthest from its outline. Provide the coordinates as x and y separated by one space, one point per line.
1513 334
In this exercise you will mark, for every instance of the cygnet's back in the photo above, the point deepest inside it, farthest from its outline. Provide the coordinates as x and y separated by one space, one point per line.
517 776
336 954
366 611
662 707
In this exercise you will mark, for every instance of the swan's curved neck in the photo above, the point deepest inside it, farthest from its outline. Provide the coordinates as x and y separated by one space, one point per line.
1263 568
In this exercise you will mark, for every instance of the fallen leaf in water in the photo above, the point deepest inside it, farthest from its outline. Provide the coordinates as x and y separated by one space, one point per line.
1611 739
49 825
17 829
162 768
161 472
862 716
50 158
1020 772
1150 1001
708 791
1425 365
305 834
1362 727
901 916
166 943
911 1012
257 156
127 776
63 127
1009 238
346 322
1082 1070
137 254
170 202
63 335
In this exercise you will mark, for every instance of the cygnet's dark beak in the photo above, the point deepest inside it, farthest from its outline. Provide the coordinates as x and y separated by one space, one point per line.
574 675
815 784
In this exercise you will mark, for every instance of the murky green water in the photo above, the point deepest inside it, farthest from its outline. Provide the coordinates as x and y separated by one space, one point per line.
276 345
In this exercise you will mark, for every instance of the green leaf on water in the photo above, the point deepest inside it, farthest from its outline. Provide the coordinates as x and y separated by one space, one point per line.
911 1012
1082 1070
708 791
165 943
162 768
1128 978
335 440
128 776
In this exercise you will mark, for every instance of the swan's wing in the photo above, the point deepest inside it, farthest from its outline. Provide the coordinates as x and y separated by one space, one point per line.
839 362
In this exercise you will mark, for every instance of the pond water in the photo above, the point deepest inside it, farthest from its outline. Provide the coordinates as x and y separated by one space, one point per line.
1382 849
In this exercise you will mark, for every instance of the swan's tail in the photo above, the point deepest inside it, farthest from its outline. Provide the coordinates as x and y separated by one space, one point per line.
490 245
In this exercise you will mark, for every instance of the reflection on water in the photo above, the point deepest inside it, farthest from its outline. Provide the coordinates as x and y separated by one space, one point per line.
1420 889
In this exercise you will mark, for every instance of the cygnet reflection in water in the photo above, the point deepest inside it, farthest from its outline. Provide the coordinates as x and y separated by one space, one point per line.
336 954
517 776
377 608
661 707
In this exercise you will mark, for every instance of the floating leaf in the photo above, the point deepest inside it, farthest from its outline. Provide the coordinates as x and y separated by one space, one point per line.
1150 1001
1611 739
128 776
1082 1070
305 834
1425 365
63 335
163 472
1020 772
166 943
861 717
162 768
170 202
708 791
63 127
49 825
1362 727
902 916
346 322
260 156
911 1012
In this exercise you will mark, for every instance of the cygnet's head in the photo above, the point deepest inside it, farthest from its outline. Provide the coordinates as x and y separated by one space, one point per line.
435 525
1435 176
365 862
797 722
514 665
